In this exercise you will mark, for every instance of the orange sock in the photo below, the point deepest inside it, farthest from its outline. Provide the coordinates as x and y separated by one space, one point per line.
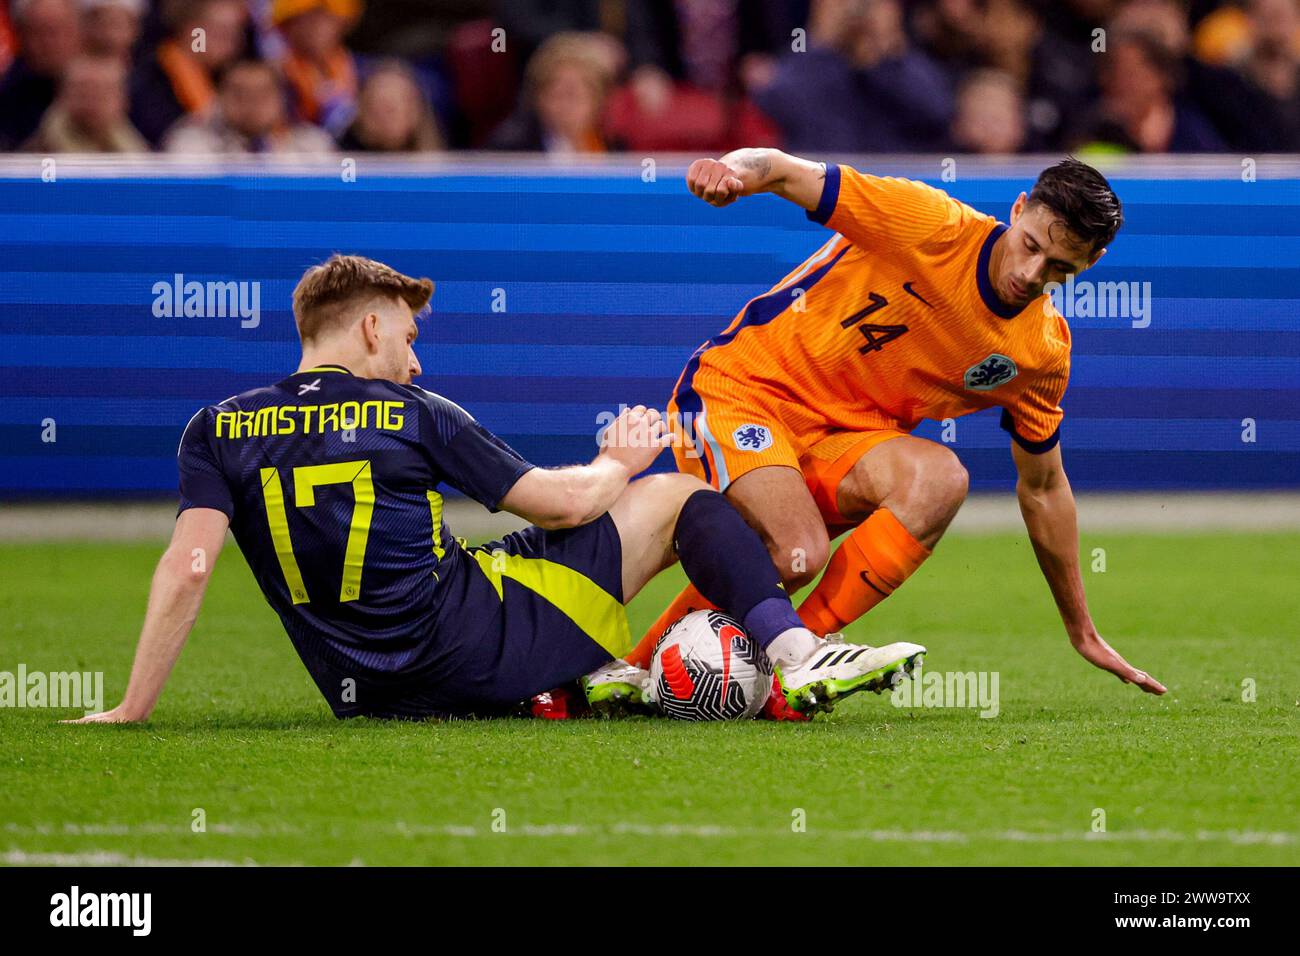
689 600
877 556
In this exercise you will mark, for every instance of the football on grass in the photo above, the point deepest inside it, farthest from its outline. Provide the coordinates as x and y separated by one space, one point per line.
705 667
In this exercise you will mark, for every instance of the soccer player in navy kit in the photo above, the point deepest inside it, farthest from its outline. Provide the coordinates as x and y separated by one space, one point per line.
329 481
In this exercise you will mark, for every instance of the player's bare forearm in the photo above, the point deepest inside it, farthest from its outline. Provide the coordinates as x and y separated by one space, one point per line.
174 602
1051 517
744 172
603 481
175 596
573 496
555 498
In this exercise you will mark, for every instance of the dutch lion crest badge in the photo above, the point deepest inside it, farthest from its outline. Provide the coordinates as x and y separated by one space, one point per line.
993 371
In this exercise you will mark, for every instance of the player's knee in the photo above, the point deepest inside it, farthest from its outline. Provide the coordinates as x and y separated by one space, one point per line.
687 485
938 479
672 489
677 486
800 557
950 479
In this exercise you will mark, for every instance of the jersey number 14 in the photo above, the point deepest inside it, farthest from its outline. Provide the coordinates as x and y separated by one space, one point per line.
877 336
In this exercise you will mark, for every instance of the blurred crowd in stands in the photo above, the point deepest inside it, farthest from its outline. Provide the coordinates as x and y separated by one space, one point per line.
701 76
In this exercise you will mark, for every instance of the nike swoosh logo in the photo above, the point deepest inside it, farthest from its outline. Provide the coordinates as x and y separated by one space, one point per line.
867 581
907 287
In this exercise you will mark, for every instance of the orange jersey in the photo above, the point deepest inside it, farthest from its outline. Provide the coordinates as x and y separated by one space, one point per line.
892 321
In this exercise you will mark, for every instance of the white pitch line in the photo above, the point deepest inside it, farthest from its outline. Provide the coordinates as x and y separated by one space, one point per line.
13 857
148 829
1237 837
579 830
697 831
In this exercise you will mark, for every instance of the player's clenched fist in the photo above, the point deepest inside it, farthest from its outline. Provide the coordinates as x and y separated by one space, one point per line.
716 182
635 438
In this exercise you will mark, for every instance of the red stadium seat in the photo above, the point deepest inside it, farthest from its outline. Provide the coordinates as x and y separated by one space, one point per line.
485 82
694 121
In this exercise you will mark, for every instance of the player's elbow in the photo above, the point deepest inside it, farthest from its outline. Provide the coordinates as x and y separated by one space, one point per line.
1038 483
1029 498
572 510
557 521
186 567
1043 494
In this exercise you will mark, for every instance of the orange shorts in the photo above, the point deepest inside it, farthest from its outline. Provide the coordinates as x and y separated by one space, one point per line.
720 438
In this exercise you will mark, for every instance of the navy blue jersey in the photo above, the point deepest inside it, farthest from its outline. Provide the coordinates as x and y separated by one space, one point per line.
332 486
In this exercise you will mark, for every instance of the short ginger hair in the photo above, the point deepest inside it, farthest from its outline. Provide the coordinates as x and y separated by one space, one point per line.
328 294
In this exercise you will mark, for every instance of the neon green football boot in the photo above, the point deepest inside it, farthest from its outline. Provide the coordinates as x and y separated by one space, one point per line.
617 689
835 670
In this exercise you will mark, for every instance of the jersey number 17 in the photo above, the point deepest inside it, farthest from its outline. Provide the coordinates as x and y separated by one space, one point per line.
305 481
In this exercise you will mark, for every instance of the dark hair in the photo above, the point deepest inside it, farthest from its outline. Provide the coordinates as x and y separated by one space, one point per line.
1082 198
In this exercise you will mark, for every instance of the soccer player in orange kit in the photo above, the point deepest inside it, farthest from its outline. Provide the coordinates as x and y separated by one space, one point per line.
917 307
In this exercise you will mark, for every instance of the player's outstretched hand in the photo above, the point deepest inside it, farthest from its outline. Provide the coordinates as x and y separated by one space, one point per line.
635 438
1100 654
715 182
115 716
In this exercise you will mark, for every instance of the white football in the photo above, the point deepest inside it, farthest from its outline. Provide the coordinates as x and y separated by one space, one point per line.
705 667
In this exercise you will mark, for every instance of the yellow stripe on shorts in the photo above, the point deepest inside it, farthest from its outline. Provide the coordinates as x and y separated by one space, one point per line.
582 600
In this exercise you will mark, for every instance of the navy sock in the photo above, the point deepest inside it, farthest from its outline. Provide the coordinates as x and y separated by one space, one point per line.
725 559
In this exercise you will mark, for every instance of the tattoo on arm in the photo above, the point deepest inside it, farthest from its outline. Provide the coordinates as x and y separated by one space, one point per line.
757 161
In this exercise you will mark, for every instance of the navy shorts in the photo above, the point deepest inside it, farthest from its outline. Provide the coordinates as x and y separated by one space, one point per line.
561 615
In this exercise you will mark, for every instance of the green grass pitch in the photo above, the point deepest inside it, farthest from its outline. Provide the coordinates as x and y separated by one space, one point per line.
1200 776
